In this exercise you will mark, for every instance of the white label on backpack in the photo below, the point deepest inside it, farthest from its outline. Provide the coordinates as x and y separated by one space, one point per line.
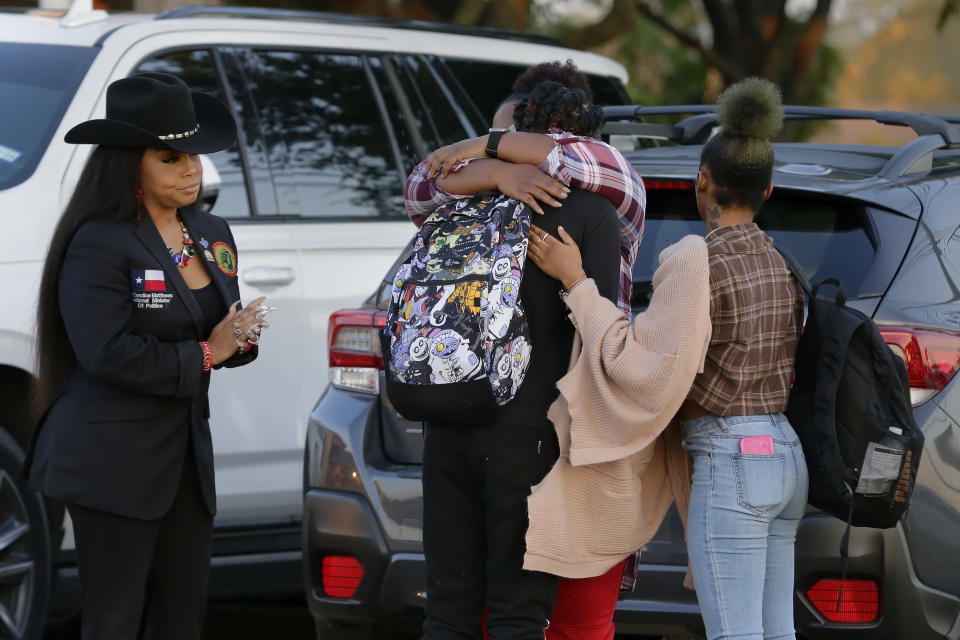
881 467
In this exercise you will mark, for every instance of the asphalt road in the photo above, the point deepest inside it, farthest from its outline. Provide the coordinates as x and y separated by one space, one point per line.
243 620
237 621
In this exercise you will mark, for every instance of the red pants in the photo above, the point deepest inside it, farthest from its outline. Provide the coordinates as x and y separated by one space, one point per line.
584 607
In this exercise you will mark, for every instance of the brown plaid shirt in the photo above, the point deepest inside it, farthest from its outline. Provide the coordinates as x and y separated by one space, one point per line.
756 309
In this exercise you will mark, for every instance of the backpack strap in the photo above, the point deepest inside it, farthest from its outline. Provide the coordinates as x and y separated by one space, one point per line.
839 298
836 342
794 267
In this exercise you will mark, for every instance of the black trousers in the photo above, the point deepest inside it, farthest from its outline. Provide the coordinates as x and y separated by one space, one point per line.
152 573
475 486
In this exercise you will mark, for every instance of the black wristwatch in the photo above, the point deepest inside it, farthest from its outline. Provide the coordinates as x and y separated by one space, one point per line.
493 141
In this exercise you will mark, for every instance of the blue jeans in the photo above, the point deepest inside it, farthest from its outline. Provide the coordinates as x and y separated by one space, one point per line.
742 524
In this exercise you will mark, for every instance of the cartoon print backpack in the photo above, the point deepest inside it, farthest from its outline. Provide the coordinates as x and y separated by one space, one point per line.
456 343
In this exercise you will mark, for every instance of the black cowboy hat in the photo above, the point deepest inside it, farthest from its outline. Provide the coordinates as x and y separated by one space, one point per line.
158 111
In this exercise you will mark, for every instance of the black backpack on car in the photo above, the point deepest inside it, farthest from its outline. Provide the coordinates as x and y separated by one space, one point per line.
850 406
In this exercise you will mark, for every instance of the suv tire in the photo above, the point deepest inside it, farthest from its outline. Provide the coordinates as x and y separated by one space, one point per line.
25 552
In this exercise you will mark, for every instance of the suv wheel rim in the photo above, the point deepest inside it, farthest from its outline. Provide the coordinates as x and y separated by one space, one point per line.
16 563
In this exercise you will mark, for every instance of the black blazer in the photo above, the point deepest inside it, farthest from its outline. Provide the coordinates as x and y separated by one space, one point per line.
116 439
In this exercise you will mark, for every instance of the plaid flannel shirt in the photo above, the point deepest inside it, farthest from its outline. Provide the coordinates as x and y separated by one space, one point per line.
580 163
756 312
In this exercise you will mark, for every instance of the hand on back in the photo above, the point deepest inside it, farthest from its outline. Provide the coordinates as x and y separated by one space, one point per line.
558 258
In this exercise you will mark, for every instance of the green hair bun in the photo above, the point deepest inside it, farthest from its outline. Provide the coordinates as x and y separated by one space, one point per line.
751 108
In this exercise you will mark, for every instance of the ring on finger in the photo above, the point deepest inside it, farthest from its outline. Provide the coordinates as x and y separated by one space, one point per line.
254 338
237 331
544 237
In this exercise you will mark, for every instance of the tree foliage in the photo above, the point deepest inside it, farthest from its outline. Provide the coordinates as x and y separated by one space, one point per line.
675 50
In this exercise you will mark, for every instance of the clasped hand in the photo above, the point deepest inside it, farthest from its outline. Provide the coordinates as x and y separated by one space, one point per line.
238 329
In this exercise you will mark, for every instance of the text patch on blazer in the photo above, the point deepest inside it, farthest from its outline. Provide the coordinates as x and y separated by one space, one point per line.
150 289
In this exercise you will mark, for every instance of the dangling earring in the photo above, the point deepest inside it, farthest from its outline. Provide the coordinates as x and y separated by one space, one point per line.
138 194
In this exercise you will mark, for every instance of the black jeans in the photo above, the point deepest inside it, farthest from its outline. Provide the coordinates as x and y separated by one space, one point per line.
475 486
162 566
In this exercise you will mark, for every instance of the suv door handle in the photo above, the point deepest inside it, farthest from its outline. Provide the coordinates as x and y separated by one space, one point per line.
268 276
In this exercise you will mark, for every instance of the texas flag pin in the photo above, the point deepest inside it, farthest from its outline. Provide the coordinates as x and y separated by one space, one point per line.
148 280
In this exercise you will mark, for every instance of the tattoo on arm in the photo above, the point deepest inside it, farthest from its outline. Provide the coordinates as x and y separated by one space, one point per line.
714 214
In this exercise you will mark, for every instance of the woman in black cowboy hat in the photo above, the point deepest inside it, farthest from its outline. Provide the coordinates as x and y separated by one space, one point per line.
138 302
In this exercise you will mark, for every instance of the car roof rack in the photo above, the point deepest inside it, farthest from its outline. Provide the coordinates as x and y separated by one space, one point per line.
343 18
934 131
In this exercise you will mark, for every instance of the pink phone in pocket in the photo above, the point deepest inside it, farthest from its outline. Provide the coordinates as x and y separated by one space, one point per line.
760 445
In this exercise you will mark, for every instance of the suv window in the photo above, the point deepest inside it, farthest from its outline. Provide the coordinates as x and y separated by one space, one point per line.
320 124
37 83
198 69
438 121
828 238
488 83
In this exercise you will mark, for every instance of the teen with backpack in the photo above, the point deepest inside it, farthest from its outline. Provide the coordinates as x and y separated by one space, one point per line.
749 486
477 479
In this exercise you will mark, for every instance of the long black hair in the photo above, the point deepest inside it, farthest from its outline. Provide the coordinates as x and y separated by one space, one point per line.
740 157
552 105
107 190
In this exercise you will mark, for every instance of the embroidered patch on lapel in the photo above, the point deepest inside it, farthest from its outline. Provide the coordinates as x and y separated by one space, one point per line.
149 289
225 258
148 280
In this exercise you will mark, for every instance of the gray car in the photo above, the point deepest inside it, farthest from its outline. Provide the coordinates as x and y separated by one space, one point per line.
880 219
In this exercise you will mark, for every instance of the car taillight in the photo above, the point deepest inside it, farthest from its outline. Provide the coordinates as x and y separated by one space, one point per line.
846 601
667 185
341 576
932 358
353 337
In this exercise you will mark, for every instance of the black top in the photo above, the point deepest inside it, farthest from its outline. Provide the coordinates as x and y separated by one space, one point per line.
211 305
593 223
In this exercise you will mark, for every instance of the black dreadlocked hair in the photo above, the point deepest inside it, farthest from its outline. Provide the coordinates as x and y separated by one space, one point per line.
566 73
552 105
740 156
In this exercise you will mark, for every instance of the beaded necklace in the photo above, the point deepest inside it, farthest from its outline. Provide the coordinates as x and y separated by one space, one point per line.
182 259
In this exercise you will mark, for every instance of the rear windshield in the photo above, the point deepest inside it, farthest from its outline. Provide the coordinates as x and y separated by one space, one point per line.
828 238
37 83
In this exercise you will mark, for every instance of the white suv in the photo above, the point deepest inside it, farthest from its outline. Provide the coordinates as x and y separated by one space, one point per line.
333 112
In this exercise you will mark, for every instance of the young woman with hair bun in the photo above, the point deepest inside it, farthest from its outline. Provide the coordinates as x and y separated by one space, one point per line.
725 316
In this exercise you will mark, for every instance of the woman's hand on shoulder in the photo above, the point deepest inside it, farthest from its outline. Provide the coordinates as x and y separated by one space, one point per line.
559 257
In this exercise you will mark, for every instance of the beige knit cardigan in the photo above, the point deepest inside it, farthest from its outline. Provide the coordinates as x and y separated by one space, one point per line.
621 462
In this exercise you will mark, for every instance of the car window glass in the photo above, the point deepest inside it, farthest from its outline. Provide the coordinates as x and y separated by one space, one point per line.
410 124
329 150
198 69
488 83
424 81
607 91
485 83
828 239
37 83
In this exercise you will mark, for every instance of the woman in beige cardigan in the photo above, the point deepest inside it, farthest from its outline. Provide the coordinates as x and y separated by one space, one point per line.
621 462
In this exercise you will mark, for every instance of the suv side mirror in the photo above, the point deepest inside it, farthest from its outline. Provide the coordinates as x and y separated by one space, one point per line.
211 183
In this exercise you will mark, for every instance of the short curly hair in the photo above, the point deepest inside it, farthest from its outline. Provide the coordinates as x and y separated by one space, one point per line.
566 73
551 105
